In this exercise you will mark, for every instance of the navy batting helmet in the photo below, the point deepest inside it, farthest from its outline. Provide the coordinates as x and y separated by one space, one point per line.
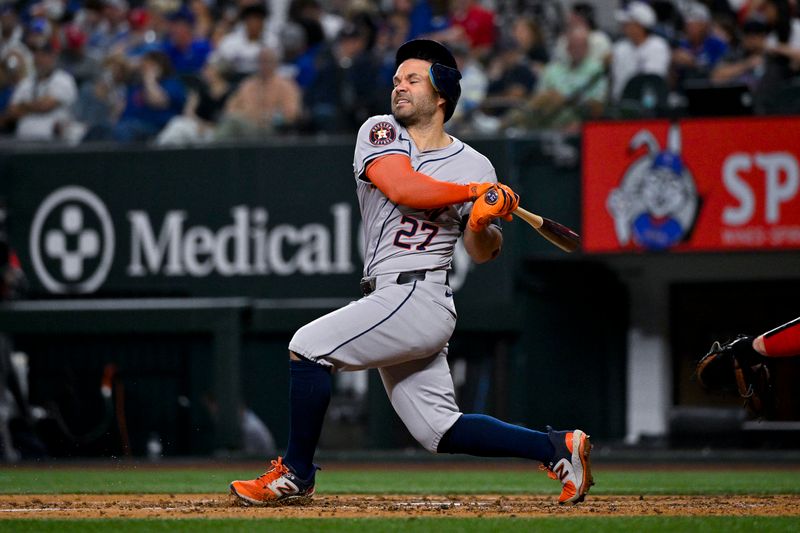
444 72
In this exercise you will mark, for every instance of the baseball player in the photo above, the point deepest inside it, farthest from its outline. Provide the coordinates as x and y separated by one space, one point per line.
419 190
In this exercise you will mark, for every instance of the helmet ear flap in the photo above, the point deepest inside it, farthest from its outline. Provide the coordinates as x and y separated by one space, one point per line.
446 82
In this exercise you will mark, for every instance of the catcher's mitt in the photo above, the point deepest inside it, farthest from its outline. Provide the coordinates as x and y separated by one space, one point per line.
736 367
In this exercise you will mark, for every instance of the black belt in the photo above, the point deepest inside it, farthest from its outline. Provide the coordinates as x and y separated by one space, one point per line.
368 284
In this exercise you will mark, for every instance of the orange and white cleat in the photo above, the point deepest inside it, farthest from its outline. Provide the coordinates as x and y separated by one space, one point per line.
570 464
277 485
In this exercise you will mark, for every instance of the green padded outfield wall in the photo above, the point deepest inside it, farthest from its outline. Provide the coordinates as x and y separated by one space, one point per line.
267 222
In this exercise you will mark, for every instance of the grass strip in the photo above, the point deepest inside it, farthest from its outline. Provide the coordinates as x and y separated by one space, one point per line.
130 480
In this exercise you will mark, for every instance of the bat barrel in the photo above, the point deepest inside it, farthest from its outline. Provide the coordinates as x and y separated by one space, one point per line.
556 233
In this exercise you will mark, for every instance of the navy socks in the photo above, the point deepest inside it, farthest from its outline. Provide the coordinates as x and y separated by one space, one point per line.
481 435
485 436
309 393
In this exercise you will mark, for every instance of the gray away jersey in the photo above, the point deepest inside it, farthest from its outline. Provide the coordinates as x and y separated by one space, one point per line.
398 238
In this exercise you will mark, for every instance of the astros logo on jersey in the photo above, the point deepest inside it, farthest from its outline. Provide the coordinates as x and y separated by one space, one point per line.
382 133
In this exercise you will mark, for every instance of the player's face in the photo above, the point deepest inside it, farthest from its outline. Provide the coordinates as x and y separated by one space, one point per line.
413 99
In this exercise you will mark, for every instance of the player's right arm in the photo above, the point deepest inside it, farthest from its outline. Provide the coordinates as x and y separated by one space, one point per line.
483 245
394 176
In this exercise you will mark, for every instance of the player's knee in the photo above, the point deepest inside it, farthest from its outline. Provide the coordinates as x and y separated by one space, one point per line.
427 438
430 443
299 346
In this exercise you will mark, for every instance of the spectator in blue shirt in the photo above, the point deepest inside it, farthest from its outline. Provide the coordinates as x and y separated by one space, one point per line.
186 52
745 63
511 79
423 17
701 50
151 102
303 48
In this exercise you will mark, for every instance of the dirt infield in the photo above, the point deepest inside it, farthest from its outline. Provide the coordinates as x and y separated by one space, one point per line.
81 506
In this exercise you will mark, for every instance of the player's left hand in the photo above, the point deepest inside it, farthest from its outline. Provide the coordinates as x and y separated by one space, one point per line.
510 201
498 202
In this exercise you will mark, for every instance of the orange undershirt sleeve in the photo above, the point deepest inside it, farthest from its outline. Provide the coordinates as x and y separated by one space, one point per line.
396 178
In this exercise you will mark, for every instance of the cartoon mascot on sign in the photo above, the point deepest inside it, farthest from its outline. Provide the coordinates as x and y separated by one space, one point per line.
656 204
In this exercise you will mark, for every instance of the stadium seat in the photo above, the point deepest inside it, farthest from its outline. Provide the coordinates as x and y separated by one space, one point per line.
644 96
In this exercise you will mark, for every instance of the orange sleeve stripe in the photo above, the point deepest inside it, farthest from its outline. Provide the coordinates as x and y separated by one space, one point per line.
395 178
784 340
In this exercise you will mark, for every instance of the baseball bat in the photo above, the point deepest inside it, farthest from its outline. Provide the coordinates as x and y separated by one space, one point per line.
558 234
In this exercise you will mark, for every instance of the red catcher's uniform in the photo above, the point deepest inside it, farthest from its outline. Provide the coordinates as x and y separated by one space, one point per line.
784 340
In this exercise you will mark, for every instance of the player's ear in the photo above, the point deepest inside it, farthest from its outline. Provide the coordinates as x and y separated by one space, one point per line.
443 104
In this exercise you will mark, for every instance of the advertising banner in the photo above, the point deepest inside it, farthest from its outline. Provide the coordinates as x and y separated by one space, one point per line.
268 222
692 185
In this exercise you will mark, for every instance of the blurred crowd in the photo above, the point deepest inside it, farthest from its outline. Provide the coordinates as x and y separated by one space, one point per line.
180 72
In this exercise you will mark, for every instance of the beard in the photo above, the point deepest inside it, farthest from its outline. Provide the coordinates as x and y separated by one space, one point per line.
420 109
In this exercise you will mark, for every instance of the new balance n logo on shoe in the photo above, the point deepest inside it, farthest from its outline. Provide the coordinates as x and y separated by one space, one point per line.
562 469
283 487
